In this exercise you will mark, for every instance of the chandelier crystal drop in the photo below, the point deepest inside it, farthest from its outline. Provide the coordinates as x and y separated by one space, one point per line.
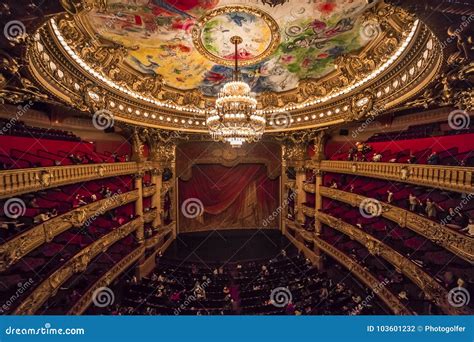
235 118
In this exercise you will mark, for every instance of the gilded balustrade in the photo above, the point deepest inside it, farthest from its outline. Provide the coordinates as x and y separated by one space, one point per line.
356 269
83 303
16 248
21 181
290 184
76 264
310 212
423 280
454 178
311 188
149 190
149 216
460 244
365 276
153 241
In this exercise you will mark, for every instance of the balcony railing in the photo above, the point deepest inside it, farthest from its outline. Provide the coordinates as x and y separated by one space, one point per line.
423 280
309 187
83 303
149 216
290 184
149 191
359 271
452 178
308 211
16 248
460 244
153 241
21 181
76 264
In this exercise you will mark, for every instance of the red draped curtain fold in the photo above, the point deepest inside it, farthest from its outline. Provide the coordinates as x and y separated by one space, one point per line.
237 197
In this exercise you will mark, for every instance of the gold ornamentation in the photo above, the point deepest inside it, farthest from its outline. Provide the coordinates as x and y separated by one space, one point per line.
76 218
453 241
269 21
16 248
45 178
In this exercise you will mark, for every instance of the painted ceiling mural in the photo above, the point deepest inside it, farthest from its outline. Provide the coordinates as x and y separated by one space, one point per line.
309 35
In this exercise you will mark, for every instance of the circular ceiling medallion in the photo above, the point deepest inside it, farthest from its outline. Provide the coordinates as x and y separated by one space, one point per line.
260 33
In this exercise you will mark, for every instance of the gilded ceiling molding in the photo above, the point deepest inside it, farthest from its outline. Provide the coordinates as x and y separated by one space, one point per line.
91 74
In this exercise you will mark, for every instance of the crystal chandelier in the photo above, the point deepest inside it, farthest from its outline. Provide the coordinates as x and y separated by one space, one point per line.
235 118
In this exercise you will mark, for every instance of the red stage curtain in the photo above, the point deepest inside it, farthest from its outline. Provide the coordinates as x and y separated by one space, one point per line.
237 197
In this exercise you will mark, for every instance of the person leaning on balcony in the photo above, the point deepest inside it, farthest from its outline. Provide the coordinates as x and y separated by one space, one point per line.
413 201
377 157
389 196
433 159
469 228
431 209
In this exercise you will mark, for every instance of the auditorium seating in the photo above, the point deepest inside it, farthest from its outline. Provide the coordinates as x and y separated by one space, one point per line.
243 288
377 189
454 147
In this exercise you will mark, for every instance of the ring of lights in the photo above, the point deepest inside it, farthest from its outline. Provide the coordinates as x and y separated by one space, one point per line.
59 69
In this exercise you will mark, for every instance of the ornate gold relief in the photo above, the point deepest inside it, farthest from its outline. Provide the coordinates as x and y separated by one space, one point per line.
13 250
459 244
422 279
76 264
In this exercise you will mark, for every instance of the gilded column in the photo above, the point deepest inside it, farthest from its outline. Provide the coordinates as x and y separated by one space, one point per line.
139 157
319 143
156 179
140 234
301 195
283 193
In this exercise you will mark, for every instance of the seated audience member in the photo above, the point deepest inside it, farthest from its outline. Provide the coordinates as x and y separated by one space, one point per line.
389 196
33 203
78 201
377 157
412 159
455 219
108 192
433 159
470 228
333 184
